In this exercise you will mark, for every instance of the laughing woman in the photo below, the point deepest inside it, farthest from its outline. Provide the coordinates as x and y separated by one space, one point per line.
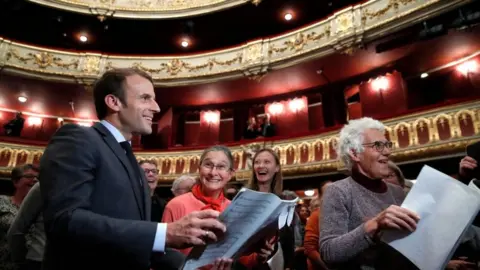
216 169
267 177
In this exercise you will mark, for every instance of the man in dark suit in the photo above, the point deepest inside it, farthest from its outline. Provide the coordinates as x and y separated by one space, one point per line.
150 170
267 128
97 203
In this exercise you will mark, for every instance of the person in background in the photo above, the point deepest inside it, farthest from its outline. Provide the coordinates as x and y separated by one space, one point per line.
267 177
15 126
312 232
302 217
395 177
357 209
151 174
182 185
251 131
26 237
267 129
466 168
23 178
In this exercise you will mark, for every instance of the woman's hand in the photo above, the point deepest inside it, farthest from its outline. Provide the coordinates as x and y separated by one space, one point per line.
460 265
394 217
266 251
222 264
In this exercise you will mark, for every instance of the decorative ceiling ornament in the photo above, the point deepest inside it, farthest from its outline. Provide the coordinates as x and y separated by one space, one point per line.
144 9
343 32
42 59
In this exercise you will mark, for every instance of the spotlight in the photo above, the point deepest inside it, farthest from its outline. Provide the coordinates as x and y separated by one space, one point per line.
424 75
288 16
22 99
83 38
184 44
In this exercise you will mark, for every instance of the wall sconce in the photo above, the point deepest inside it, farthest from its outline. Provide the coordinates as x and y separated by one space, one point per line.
275 108
211 117
380 84
34 121
309 193
296 105
85 124
468 67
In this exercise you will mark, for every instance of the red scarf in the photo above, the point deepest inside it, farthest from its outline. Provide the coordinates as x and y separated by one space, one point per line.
210 203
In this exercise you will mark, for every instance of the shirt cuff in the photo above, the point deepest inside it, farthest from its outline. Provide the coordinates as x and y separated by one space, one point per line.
160 237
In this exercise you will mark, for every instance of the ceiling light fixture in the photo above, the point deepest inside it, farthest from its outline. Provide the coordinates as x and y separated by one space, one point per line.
22 99
184 43
288 16
424 75
83 38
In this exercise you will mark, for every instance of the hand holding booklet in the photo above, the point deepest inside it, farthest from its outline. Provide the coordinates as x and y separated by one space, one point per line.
249 218
446 208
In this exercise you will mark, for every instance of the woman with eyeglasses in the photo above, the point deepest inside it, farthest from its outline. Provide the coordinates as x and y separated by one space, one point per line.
357 209
23 178
215 170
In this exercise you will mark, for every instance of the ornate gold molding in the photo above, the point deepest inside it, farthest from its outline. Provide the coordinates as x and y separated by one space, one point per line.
144 9
343 32
425 135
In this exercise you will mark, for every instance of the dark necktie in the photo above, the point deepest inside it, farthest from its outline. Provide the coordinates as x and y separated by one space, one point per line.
133 161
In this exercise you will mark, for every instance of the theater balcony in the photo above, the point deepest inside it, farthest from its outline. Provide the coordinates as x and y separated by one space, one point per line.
310 66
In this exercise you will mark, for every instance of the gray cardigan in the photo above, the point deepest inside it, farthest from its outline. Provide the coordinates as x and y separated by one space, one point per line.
26 236
346 206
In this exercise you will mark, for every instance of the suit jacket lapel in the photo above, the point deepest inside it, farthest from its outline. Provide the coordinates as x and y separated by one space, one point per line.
147 198
120 153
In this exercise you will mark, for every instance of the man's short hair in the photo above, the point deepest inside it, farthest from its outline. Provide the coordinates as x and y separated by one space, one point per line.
19 171
147 162
112 82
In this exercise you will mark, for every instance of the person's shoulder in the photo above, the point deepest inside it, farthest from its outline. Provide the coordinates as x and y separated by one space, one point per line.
340 185
396 190
180 201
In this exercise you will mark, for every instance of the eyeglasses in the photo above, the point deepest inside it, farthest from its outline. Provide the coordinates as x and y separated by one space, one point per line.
220 167
154 171
379 145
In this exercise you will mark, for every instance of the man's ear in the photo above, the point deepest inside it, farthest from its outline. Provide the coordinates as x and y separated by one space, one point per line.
353 155
113 103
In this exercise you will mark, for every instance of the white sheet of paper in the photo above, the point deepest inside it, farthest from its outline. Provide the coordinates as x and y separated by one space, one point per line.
245 215
446 207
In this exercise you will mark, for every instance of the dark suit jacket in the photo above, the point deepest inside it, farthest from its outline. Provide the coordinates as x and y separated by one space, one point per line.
96 213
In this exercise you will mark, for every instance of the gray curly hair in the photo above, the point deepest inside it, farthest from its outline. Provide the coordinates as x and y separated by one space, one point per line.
352 138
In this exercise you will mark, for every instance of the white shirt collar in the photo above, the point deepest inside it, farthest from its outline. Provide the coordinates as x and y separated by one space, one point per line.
115 132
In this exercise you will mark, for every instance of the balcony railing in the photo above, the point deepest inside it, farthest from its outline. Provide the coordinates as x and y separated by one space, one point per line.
429 134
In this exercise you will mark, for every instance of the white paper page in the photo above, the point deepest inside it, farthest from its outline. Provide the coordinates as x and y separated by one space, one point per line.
446 207
247 213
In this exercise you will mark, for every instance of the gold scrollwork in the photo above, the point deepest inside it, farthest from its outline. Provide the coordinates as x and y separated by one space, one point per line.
299 41
392 4
175 66
41 59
